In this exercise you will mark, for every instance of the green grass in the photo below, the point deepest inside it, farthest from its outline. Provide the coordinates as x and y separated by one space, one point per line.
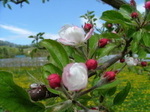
136 101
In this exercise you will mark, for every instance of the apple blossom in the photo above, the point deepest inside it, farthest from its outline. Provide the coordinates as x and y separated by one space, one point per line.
54 80
131 61
75 76
102 42
91 64
144 63
147 5
110 75
73 35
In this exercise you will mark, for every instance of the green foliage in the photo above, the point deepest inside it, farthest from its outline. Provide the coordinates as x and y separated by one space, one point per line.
15 98
120 97
58 55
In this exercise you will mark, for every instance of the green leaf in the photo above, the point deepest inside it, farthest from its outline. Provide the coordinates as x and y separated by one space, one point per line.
27 2
141 53
137 36
58 54
120 97
146 38
110 85
52 69
113 16
106 50
93 43
126 10
15 98
110 35
9 6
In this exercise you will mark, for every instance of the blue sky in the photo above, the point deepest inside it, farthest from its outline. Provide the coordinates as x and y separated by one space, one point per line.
19 23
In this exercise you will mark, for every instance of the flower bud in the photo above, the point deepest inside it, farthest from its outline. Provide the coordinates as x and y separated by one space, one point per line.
132 3
87 27
144 63
75 76
39 92
54 80
147 5
103 42
91 64
122 60
131 61
110 75
134 14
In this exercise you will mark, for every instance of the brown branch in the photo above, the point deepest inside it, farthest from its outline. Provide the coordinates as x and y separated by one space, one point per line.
114 3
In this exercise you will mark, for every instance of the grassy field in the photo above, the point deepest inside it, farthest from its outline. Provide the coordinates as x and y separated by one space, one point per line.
138 99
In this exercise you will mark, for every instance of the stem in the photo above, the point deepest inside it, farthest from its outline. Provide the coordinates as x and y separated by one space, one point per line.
80 105
100 83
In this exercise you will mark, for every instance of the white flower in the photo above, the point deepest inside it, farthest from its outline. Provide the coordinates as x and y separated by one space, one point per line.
73 35
131 61
75 76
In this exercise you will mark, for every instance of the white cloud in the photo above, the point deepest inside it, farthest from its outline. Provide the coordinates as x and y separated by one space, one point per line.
16 30
21 34
140 7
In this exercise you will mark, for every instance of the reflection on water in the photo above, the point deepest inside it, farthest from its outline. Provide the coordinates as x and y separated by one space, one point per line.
25 61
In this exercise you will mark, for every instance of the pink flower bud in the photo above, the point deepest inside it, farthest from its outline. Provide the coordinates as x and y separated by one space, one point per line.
87 27
102 42
54 80
122 60
91 64
147 5
132 3
110 75
109 25
144 63
75 76
134 14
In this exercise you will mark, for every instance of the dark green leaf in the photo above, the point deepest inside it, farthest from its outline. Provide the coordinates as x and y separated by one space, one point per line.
9 6
137 36
110 85
141 53
52 69
113 16
57 52
15 98
126 10
121 96
27 2
106 50
146 38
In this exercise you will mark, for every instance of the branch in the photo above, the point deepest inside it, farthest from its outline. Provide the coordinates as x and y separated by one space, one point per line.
114 59
18 1
114 3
